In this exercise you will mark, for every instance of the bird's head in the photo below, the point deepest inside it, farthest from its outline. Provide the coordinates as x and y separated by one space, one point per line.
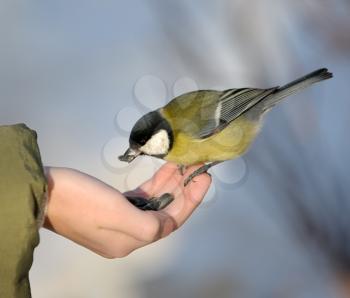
151 135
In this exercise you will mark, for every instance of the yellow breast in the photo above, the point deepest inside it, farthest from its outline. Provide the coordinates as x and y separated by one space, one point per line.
229 143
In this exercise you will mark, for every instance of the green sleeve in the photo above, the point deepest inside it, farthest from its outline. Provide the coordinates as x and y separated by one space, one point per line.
22 198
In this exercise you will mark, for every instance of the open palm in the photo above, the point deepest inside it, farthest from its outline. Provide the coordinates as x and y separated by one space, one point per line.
99 217
169 180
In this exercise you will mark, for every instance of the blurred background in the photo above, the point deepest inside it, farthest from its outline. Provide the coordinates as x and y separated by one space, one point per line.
276 222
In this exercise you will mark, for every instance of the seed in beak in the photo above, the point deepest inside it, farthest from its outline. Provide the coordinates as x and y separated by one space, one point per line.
129 155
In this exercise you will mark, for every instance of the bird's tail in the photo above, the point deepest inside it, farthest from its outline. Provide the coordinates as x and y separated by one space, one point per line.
295 86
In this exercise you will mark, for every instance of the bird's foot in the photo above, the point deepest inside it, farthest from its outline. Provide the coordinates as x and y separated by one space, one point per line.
154 203
201 170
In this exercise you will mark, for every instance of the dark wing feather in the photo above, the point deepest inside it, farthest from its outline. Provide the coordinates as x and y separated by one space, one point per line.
231 104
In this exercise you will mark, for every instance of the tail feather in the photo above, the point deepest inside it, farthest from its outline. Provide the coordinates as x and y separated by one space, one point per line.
295 86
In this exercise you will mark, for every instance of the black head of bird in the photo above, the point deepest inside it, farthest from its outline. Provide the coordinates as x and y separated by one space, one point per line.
151 135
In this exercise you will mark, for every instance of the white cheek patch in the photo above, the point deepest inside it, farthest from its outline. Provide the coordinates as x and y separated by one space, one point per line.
158 144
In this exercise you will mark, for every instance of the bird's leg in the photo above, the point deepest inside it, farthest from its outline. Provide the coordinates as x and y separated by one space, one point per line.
154 203
182 169
201 170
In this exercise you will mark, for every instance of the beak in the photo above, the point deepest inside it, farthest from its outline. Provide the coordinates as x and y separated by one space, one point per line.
129 155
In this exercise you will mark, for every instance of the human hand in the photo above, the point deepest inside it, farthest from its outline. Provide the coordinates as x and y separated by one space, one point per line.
97 216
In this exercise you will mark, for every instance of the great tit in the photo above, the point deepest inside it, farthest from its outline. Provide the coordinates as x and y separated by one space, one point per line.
209 126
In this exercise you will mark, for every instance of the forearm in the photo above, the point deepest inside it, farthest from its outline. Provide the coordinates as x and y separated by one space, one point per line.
86 211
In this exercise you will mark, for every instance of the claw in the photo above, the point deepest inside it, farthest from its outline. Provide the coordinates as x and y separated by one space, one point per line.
201 170
182 169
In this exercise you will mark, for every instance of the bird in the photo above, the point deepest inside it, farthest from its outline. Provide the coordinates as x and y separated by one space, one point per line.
209 126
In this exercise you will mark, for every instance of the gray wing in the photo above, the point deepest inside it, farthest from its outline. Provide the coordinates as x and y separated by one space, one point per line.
230 105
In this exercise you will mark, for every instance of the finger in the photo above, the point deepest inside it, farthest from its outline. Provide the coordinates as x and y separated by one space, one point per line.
189 198
137 223
174 184
149 188
169 179
196 191
159 179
